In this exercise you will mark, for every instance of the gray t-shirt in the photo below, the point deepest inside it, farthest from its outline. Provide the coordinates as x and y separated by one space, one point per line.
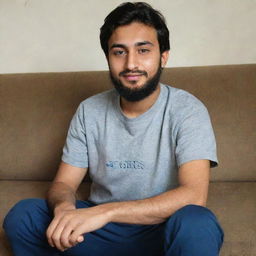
137 158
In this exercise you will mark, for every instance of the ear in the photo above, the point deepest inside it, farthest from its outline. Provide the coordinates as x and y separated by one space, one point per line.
164 58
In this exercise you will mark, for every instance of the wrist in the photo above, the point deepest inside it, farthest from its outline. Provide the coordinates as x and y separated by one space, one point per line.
108 210
63 206
115 211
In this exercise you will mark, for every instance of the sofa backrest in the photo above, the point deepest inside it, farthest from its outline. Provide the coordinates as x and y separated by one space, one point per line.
36 109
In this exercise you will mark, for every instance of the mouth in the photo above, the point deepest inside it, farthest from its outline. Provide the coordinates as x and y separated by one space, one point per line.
132 77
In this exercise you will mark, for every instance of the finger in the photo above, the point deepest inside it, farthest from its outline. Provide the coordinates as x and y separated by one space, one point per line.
51 229
56 236
80 239
74 243
76 236
64 237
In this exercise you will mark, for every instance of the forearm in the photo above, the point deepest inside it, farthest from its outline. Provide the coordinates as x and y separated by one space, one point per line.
153 210
61 195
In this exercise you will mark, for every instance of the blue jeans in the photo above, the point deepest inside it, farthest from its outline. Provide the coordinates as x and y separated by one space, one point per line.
190 231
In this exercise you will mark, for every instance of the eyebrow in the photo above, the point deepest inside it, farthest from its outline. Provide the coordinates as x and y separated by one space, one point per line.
136 44
144 43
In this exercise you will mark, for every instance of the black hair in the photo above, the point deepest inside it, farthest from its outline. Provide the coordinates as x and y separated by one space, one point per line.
141 12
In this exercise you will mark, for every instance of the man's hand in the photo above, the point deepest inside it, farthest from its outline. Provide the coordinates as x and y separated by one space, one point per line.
68 226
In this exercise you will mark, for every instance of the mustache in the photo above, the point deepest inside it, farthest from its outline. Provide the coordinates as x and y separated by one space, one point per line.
127 71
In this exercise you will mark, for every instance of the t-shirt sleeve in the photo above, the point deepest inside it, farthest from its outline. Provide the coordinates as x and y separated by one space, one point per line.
195 136
75 150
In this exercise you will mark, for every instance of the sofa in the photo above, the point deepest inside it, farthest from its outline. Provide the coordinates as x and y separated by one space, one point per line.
36 109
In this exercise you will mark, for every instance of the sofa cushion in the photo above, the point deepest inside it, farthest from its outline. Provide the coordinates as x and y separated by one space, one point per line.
235 206
232 202
229 92
35 111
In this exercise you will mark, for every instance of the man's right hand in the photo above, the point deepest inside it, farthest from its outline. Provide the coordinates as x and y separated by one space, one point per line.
69 226
59 212
61 199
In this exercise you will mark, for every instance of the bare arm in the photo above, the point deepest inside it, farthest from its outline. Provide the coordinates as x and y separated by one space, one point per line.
62 193
61 198
193 189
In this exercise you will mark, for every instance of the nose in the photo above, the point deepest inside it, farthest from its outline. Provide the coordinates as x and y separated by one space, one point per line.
131 61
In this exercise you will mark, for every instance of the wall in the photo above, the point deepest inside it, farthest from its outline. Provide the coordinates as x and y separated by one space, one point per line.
62 35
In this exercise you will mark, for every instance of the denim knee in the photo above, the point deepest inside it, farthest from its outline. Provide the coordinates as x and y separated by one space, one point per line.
197 219
193 230
13 219
195 215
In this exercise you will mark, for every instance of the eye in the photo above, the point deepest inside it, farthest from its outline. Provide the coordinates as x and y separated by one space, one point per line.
143 50
119 52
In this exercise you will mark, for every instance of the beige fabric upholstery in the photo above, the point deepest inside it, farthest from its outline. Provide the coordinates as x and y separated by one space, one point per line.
35 111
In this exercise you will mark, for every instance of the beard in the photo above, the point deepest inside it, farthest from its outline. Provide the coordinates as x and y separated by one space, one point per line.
137 94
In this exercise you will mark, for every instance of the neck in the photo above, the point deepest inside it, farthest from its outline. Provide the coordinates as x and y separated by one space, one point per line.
134 109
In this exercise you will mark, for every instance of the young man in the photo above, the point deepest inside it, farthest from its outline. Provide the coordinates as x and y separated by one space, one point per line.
148 147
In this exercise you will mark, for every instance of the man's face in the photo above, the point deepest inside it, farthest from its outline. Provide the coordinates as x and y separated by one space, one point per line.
135 61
